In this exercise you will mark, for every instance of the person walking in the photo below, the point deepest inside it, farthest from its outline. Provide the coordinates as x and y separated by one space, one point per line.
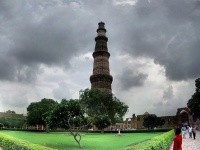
183 131
194 132
190 131
177 140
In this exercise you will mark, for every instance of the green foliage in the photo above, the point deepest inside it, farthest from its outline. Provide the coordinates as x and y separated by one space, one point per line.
1 126
65 115
194 103
161 142
4 121
12 122
152 121
10 111
36 111
102 121
96 103
10 143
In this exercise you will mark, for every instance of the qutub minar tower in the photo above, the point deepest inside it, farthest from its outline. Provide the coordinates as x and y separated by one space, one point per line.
101 77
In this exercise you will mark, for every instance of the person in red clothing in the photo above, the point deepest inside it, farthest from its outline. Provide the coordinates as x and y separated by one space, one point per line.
177 140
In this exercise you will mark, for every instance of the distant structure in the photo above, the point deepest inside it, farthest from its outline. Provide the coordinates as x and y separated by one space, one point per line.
182 117
101 77
12 120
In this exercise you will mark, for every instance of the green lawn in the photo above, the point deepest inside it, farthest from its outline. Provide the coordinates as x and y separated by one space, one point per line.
90 141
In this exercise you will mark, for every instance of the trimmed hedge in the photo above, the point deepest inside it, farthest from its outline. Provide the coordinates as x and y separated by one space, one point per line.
161 142
131 131
11 143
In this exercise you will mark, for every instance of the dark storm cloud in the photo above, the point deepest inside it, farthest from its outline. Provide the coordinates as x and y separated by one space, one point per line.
6 68
8 9
166 31
182 59
52 32
32 36
129 79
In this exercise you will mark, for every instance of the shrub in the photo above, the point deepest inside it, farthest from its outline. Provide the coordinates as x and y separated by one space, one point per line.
161 142
1 126
11 143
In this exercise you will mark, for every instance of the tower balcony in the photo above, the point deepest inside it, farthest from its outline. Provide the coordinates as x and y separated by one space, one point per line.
101 37
101 77
101 53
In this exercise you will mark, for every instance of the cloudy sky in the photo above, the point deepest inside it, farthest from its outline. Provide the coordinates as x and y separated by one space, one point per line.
46 51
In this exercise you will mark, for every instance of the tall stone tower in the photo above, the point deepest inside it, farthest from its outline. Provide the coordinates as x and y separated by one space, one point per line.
101 77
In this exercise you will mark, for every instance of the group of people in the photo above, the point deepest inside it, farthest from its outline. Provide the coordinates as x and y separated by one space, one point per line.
178 137
191 130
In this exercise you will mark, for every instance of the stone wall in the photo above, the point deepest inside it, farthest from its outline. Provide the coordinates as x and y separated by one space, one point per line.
182 117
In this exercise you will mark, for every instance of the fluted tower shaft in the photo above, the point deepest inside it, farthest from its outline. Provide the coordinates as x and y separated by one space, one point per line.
101 77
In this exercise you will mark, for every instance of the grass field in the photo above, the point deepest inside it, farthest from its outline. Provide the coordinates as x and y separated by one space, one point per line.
90 141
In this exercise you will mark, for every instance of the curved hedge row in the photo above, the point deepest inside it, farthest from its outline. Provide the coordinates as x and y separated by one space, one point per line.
161 142
11 143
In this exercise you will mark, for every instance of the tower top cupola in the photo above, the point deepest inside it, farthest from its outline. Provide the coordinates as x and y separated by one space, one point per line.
101 32
101 26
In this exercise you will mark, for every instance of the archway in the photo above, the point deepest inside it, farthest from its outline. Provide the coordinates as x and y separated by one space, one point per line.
184 118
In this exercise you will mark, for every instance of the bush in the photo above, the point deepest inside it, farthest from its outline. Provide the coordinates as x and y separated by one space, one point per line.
1 126
129 131
11 143
161 142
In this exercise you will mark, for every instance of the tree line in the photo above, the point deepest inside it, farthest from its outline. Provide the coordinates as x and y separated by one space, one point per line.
94 107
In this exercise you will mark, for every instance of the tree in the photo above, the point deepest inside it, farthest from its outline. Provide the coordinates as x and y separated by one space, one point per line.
194 103
102 121
10 111
36 110
13 122
68 115
98 103
1 126
4 121
152 121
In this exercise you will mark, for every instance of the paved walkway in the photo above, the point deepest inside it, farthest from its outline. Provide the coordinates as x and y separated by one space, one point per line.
190 144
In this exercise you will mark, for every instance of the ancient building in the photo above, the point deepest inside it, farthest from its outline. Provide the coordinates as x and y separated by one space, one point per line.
101 77
12 120
182 117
